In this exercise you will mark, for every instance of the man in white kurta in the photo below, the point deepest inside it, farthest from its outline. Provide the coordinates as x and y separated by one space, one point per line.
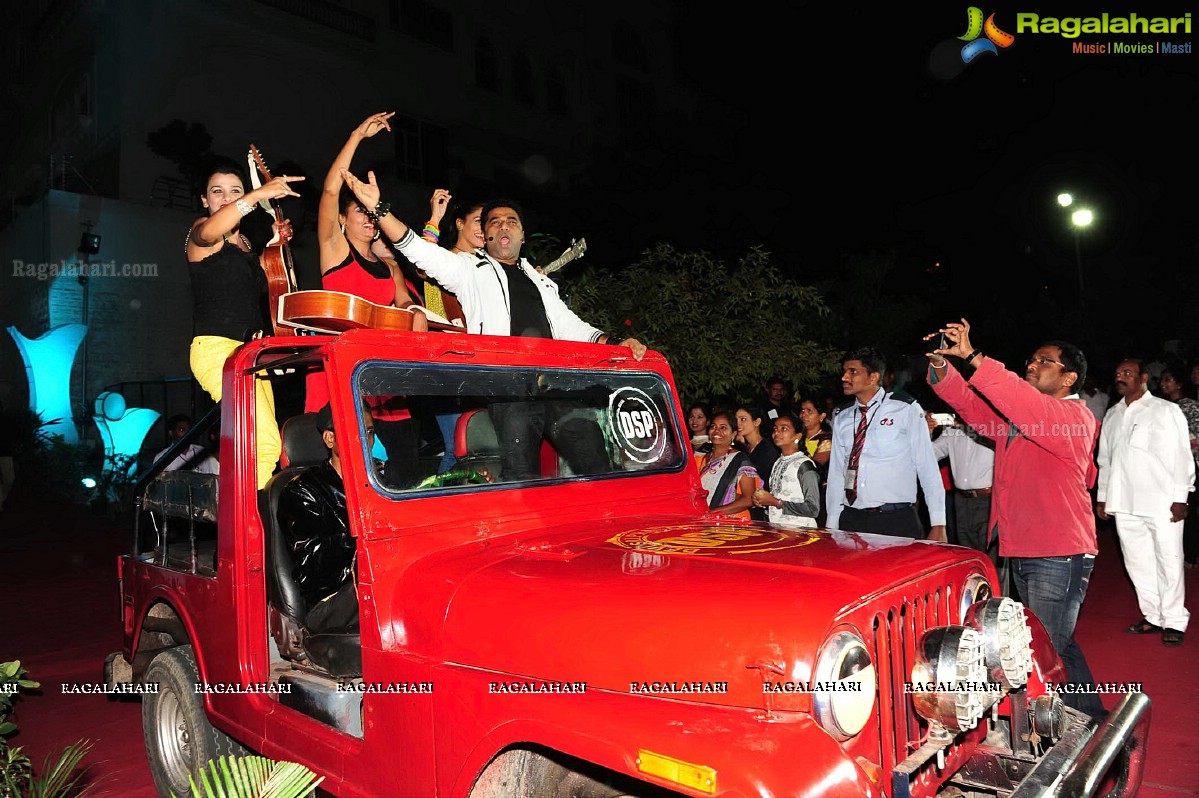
1146 472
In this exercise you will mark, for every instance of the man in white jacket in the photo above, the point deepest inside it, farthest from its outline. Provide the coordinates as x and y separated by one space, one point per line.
1145 473
501 294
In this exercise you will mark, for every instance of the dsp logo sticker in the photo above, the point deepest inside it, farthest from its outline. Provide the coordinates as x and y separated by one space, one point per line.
636 425
711 539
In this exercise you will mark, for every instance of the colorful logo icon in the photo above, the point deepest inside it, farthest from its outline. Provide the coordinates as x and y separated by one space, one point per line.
975 27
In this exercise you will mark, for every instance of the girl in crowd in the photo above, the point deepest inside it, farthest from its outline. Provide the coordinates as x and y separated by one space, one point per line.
699 418
727 474
347 236
468 238
762 451
816 436
354 261
792 495
228 294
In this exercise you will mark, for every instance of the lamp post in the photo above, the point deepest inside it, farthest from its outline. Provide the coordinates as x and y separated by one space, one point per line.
1079 219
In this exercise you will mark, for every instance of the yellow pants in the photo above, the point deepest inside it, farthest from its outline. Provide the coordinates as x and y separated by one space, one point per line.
208 355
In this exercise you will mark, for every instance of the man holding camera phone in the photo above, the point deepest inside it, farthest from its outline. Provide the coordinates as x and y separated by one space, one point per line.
1041 503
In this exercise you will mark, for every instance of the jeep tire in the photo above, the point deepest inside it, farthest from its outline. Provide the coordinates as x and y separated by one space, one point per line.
179 739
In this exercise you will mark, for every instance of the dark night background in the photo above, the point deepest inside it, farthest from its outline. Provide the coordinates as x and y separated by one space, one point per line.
826 131
843 139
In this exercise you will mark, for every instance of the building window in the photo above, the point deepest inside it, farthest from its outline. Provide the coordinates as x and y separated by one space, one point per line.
424 21
420 151
557 94
523 86
487 66
635 102
628 49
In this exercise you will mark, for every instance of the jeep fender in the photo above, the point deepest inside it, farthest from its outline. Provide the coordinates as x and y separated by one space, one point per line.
811 761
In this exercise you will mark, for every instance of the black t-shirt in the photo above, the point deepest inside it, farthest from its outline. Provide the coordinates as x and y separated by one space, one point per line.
526 307
228 294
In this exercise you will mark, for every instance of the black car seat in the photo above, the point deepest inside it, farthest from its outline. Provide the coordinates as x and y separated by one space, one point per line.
340 653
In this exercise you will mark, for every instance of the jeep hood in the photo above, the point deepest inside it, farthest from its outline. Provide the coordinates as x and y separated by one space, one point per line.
682 603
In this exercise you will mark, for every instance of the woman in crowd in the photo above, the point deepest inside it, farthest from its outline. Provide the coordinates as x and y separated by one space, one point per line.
229 289
354 261
791 497
347 234
468 238
727 474
1170 383
817 438
762 451
699 418
817 441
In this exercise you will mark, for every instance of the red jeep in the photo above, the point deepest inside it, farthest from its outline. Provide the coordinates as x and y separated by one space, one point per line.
574 634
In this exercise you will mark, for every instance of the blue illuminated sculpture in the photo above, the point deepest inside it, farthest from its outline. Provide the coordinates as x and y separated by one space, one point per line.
122 430
48 360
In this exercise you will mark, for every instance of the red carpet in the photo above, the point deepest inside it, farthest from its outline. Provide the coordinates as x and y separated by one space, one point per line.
59 594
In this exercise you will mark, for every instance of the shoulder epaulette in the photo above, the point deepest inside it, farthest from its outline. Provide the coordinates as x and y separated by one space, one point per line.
902 396
839 408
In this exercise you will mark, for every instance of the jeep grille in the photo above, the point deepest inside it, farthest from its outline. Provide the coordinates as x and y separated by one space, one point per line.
896 630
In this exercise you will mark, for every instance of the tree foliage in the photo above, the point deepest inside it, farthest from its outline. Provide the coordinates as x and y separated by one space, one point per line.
869 311
186 144
724 331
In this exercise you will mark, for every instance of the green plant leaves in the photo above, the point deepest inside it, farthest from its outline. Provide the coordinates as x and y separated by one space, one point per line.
724 329
253 777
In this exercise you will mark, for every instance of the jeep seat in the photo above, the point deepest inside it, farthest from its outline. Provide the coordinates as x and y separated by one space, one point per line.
475 443
338 653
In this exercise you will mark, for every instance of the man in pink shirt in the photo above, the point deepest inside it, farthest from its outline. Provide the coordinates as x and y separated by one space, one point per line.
1040 505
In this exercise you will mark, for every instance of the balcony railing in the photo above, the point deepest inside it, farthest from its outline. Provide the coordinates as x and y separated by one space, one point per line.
328 14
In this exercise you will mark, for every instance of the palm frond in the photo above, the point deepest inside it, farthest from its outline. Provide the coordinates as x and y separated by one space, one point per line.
253 777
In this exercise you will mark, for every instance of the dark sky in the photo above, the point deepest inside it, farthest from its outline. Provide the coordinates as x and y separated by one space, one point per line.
839 136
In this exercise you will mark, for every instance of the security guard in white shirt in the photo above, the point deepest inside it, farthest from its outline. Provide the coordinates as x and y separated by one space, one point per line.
880 449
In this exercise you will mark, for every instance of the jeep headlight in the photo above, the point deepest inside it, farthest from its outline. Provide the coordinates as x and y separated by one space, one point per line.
1007 640
844 686
949 678
976 589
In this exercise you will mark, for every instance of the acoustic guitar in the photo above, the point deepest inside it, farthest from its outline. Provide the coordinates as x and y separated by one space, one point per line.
276 255
336 312
577 248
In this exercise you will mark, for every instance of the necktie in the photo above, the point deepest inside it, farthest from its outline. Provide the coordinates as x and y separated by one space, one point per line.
855 454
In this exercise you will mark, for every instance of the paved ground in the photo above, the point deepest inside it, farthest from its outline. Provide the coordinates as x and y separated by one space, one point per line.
61 616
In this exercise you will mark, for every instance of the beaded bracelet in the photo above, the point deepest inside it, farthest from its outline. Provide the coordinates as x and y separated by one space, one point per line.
381 210
244 207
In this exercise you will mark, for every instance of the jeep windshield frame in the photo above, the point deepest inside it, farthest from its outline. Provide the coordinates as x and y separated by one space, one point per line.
597 424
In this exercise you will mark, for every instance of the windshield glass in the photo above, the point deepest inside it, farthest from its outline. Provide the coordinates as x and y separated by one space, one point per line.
444 427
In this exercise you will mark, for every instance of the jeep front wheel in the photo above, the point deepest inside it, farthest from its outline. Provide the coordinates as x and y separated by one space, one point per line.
179 738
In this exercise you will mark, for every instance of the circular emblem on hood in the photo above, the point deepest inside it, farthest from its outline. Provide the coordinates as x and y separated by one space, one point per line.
712 539
636 425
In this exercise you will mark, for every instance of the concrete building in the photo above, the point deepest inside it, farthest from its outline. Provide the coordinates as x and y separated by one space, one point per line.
518 99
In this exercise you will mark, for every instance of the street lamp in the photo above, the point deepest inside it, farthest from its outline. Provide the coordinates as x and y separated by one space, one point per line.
1080 218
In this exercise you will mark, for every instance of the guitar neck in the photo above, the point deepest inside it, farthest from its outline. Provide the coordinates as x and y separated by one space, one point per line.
561 261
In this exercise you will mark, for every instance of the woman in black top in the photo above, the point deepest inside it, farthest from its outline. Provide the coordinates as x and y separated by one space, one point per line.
761 450
228 294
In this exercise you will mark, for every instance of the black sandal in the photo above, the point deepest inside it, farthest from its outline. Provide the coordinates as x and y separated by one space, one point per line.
1172 637
1143 627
